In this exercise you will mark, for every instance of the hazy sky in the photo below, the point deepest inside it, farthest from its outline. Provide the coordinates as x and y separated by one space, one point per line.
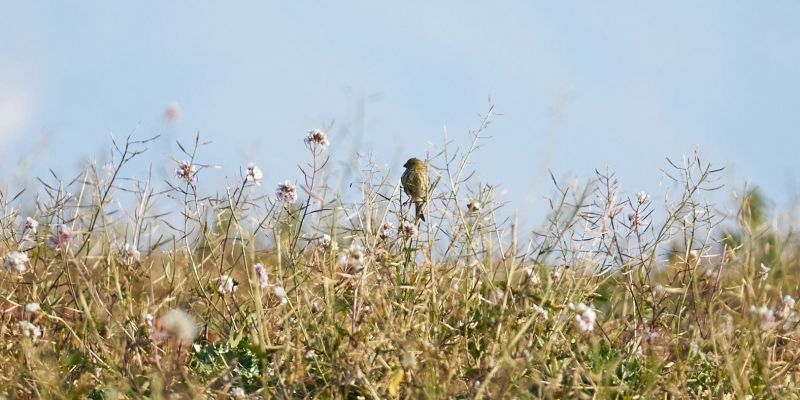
581 86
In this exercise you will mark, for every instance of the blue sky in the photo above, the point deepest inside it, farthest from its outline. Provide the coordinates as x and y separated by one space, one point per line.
621 85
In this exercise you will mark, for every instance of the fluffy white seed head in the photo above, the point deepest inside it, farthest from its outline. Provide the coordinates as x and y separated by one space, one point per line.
179 324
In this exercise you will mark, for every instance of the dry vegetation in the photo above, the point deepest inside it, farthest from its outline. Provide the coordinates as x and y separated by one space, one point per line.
150 289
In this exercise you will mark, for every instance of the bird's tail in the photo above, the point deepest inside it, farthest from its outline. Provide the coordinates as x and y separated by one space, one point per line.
420 208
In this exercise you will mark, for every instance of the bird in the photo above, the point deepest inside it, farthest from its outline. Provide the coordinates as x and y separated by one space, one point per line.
415 183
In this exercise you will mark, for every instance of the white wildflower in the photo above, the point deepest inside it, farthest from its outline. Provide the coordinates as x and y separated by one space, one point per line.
786 309
30 330
585 316
764 272
310 354
409 231
31 225
280 293
556 274
387 229
474 206
286 192
187 172
788 301
642 197
327 243
226 284
539 311
357 252
326 240
238 392
316 139
150 321
16 260
179 324
127 254
352 259
254 173
343 258
33 307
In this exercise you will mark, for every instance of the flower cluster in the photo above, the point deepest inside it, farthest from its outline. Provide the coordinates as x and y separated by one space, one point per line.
31 225
316 139
187 172
226 284
30 330
286 192
764 272
16 260
62 238
386 231
409 231
786 311
352 260
261 273
254 174
538 310
149 320
585 316
789 301
33 308
263 283
327 242
474 206
642 198
280 293
237 392
127 254
768 317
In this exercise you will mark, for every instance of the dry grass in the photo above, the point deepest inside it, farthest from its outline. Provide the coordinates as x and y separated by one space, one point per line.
466 308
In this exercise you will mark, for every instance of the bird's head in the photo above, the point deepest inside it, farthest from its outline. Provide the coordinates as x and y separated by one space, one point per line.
414 163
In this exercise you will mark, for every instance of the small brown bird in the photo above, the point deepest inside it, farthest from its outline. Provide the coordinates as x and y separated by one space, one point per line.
415 184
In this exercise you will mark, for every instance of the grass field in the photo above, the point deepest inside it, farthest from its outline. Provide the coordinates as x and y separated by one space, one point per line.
123 288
